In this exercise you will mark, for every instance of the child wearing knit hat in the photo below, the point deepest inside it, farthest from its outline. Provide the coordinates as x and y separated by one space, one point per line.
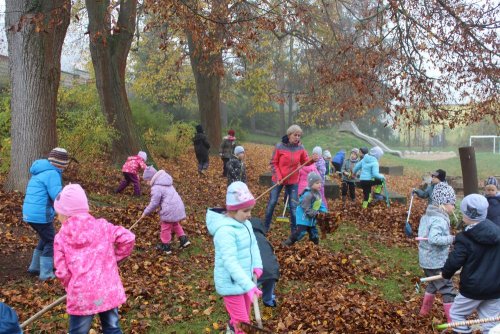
131 170
172 211
226 150
236 169
43 187
368 167
492 194
477 252
86 253
330 169
237 255
434 229
321 167
348 177
310 205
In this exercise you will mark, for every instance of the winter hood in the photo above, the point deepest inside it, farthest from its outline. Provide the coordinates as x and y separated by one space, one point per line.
217 219
485 232
80 230
435 211
161 178
42 165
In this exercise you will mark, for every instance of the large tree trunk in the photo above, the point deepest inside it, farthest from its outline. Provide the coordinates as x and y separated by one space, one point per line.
208 81
109 53
35 69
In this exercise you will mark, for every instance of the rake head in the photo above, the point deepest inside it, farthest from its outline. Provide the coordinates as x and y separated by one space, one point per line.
251 329
282 219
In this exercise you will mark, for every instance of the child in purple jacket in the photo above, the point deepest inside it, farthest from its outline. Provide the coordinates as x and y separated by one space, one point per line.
172 212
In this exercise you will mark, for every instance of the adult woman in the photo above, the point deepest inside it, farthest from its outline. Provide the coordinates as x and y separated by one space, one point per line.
288 155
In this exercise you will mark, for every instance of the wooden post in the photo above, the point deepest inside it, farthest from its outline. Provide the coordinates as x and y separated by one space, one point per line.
469 169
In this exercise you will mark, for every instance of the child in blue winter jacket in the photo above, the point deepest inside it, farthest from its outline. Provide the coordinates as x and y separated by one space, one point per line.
370 175
477 252
38 211
237 255
493 196
433 250
310 206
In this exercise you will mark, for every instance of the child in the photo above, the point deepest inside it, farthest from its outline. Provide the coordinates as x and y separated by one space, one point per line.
236 170
370 174
172 212
41 192
9 322
130 172
362 152
477 252
309 207
271 270
201 147
437 176
338 160
432 253
321 167
237 255
330 170
303 173
493 196
86 252
226 150
348 177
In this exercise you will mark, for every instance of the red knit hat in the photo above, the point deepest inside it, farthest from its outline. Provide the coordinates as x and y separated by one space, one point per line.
231 132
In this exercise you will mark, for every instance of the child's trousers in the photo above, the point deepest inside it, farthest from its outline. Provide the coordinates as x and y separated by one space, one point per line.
351 187
130 178
366 185
301 231
238 307
443 286
463 307
167 229
80 324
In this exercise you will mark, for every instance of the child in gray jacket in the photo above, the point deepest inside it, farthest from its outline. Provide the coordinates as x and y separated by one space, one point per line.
433 250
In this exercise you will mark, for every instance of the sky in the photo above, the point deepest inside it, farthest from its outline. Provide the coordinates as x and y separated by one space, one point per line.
74 54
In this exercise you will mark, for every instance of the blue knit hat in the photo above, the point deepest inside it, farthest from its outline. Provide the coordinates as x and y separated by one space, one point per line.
238 150
312 178
238 197
491 180
475 207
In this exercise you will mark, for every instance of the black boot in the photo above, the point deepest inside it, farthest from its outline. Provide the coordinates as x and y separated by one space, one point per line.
184 241
166 248
288 242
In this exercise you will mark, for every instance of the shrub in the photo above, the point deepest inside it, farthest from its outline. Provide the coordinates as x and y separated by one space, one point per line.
172 143
85 134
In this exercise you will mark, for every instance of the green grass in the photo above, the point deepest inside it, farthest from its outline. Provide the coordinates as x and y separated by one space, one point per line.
398 264
333 140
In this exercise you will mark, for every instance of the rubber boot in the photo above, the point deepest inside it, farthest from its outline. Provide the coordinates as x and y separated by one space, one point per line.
34 267
447 307
377 189
370 198
184 241
365 204
427 303
46 268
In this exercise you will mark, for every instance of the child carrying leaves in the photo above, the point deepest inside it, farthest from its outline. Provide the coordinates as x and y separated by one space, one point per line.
86 253
237 255
172 211
309 207
130 172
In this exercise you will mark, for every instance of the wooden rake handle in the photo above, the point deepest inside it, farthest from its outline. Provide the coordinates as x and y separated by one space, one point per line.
256 309
435 277
468 322
283 179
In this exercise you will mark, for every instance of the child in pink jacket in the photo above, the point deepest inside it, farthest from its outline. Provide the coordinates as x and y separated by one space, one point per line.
172 211
86 255
130 172
303 177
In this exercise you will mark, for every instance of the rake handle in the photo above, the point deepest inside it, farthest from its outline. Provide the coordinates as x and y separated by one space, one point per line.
468 322
286 204
58 301
256 309
283 179
435 277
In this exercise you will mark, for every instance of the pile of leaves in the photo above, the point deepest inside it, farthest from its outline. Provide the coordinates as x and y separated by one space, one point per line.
315 291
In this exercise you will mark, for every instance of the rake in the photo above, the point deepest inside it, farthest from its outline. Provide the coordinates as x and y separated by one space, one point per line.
408 230
430 279
283 218
467 323
249 328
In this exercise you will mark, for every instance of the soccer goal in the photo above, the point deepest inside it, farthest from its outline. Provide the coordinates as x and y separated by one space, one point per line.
491 139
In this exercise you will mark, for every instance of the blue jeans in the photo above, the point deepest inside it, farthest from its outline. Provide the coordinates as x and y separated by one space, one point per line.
268 296
46 234
292 191
80 324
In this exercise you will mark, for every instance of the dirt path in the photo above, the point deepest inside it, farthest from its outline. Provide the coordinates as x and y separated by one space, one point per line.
431 156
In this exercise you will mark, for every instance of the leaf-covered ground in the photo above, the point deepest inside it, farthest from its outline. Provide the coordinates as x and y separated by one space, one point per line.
360 279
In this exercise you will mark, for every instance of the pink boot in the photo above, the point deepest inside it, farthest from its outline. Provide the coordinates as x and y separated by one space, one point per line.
447 307
427 303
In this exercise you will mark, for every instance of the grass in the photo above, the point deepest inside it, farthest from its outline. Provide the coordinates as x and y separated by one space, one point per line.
333 140
397 264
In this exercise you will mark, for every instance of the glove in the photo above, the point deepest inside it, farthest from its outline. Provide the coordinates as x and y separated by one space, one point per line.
254 291
414 191
258 272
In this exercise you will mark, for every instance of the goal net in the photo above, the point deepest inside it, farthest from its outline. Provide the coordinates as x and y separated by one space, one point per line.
485 143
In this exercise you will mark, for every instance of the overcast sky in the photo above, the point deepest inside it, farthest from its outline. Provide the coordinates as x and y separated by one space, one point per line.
75 45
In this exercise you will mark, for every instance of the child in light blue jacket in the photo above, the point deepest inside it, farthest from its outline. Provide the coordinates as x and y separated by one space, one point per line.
370 175
237 255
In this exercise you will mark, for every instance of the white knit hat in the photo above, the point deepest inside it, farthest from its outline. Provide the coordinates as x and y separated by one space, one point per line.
238 197
143 155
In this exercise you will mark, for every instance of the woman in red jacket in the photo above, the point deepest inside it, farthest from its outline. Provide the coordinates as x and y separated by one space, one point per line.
288 155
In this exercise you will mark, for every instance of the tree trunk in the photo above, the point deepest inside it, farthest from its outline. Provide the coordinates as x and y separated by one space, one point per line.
35 70
208 81
109 50
290 85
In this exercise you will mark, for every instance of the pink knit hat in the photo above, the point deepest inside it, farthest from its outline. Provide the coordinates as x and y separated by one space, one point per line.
238 197
71 201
